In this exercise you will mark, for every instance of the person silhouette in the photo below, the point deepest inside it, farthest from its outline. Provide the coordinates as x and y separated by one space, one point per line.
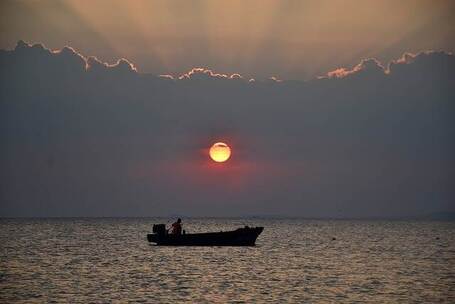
177 227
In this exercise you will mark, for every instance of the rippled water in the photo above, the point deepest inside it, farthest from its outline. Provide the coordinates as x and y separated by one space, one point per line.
109 260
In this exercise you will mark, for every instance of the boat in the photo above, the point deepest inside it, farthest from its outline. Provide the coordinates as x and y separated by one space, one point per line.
240 237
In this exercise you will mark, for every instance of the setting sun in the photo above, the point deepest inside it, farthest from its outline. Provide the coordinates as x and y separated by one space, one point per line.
220 152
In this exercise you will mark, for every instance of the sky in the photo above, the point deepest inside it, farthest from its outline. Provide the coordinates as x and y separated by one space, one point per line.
292 40
331 109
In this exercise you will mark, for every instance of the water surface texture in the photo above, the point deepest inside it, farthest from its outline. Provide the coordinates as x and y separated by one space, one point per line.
109 260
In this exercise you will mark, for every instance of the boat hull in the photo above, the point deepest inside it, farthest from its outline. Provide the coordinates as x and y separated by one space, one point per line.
240 237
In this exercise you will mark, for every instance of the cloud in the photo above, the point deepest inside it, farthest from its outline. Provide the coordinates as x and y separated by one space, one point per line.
166 76
207 74
275 79
370 65
122 65
66 60
423 61
430 63
84 137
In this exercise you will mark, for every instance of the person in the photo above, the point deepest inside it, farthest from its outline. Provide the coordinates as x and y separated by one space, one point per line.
177 227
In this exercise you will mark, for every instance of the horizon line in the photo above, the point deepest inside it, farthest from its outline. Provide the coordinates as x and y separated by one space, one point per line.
444 216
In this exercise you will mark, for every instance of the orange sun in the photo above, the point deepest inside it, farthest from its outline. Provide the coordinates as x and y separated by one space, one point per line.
220 152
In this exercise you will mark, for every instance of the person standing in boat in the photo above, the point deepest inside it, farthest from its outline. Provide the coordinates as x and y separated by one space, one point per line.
177 227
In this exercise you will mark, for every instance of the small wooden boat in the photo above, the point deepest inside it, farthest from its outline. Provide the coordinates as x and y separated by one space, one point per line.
240 237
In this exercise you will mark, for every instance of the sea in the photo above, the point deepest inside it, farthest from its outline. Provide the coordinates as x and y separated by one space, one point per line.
108 260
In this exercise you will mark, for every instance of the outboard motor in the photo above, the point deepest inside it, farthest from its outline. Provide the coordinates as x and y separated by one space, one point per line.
159 229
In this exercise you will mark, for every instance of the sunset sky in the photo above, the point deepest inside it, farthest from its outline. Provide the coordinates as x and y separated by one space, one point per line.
259 39
329 108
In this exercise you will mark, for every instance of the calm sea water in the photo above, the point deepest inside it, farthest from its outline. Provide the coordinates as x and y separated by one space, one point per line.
109 260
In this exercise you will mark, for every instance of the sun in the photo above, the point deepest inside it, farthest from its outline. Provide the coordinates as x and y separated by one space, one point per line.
220 152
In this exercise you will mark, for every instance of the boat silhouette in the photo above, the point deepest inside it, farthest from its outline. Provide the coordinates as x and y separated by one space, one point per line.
240 237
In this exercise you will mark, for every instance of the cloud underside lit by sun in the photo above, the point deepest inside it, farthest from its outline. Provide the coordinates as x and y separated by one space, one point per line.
91 64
